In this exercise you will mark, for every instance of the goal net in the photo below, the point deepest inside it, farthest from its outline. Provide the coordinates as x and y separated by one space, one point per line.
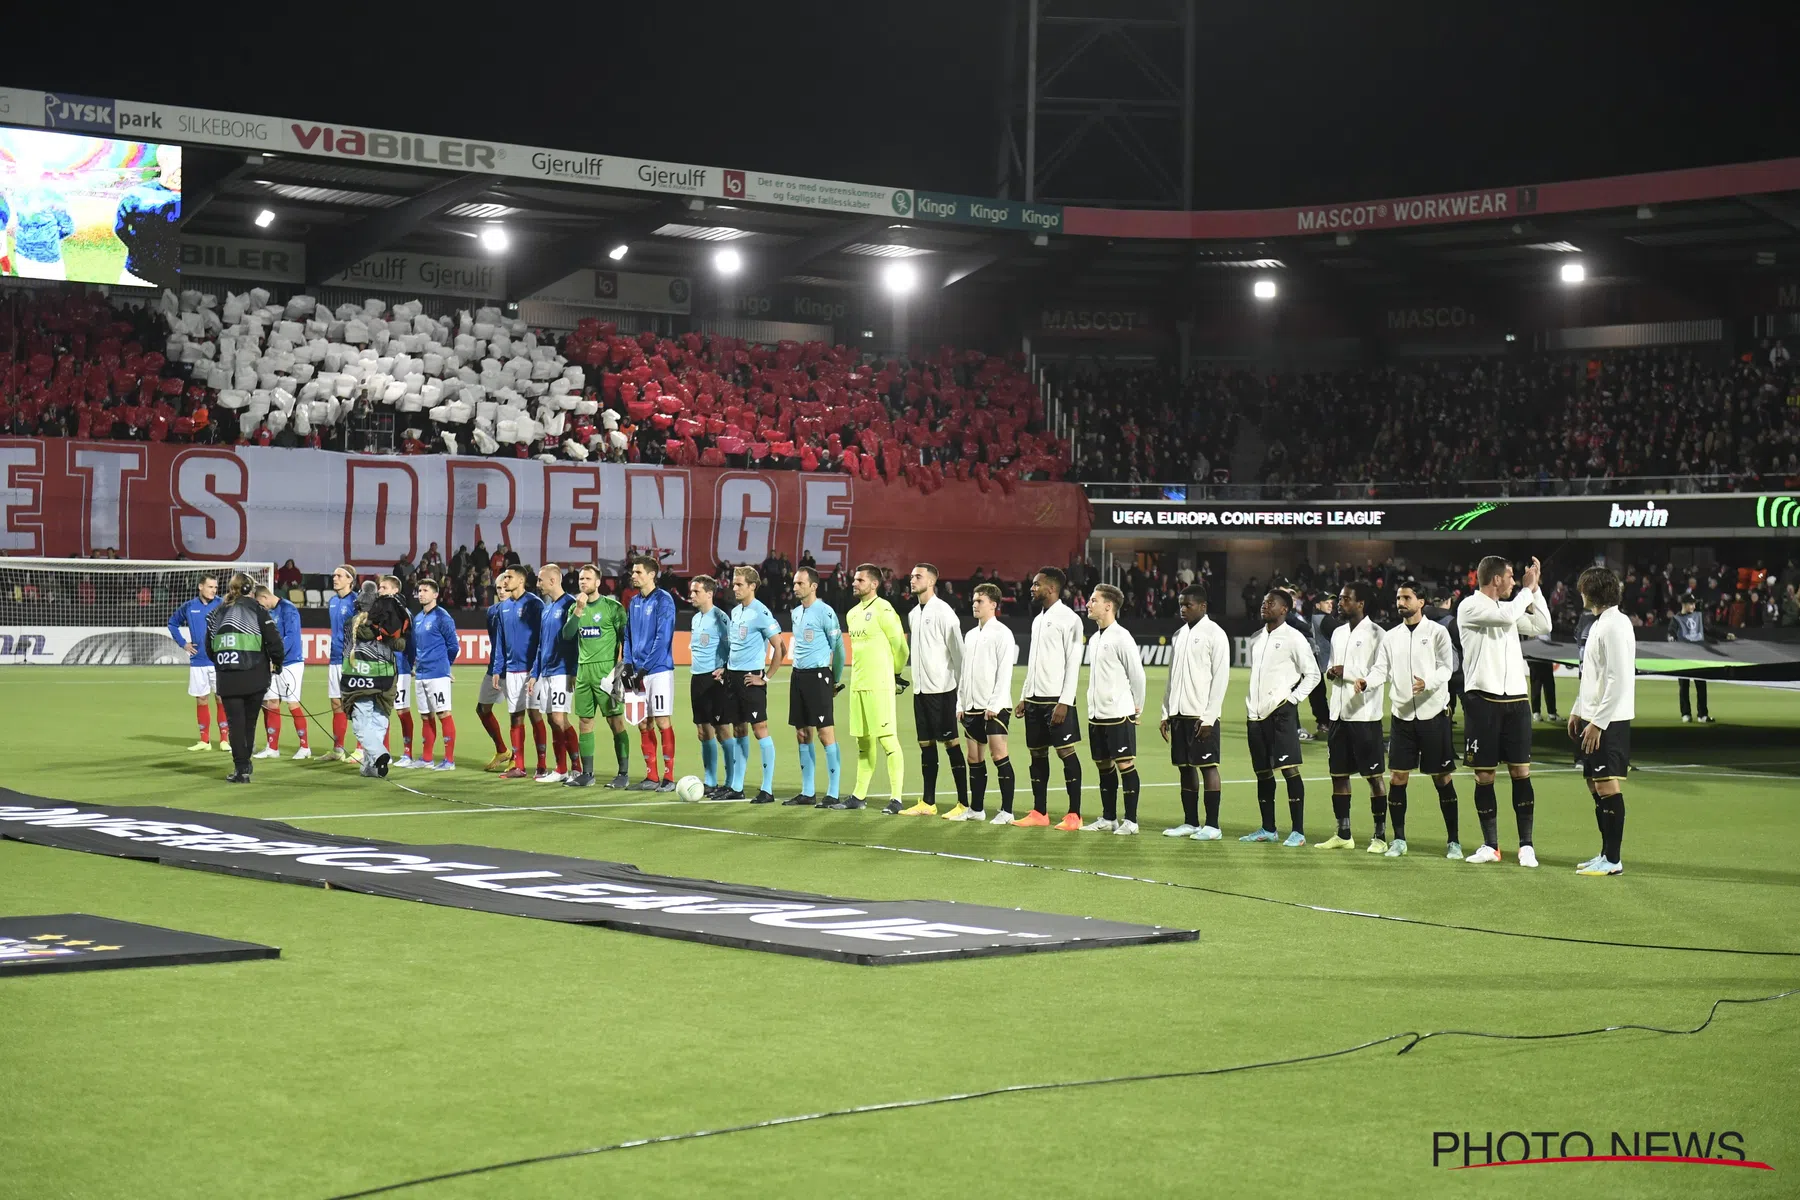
101 611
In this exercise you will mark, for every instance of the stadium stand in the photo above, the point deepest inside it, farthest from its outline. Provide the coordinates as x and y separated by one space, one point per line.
371 377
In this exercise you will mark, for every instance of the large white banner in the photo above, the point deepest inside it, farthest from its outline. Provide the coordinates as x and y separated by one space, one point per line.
213 127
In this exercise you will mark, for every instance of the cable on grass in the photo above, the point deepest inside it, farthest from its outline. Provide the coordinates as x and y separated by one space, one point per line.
1412 1040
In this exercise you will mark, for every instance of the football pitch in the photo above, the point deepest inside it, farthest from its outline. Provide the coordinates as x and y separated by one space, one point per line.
392 1041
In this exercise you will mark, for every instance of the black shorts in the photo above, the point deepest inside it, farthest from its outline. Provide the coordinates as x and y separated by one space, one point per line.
977 726
707 697
1496 733
1274 740
1355 748
934 714
1187 748
744 705
1423 745
1612 758
810 693
1041 734
1108 740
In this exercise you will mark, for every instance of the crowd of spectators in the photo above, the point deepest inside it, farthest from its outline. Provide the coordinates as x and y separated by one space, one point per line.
1544 425
188 369
1152 425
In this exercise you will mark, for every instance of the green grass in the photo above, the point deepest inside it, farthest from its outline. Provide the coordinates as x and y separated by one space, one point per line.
392 1040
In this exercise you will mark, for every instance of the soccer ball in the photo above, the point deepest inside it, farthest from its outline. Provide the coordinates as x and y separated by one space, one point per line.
690 788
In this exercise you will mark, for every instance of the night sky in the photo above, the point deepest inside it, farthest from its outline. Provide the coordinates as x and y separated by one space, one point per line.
1298 102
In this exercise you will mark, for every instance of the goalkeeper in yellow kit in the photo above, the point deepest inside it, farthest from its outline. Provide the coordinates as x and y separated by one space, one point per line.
877 653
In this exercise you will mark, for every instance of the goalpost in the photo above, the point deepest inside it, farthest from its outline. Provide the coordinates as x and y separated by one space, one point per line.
101 611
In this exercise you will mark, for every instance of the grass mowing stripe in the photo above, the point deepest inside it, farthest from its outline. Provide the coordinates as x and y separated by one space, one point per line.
1189 887
1412 1039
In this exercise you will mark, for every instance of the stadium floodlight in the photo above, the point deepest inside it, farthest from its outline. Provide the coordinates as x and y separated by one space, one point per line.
727 261
265 218
900 277
494 239
107 611
618 252
1264 289
1573 272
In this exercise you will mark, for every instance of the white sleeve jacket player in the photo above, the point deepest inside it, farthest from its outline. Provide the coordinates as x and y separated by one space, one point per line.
936 637
1355 650
1410 652
1283 670
1115 675
1608 672
1493 663
988 654
1055 666
1199 672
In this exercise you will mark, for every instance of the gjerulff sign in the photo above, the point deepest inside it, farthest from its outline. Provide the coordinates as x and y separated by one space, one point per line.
577 890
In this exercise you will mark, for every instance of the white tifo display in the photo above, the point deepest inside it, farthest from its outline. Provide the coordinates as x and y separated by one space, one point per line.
93 612
301 367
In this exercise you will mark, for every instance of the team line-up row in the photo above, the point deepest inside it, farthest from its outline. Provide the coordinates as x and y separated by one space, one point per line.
581 657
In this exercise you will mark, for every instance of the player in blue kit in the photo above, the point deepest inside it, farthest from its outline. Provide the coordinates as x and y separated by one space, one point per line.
818 668
340 606
493 687
521 625
747 669
554 676
188 628
284 687
433 647
648 657
708 639
389 585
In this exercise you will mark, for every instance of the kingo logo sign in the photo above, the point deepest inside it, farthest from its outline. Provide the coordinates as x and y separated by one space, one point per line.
1777 512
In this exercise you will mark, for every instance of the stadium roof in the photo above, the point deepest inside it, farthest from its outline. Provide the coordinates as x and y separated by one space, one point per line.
1699 232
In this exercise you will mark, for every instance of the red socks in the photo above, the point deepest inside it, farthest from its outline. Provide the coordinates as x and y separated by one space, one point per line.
491 723
449 738
203 715
560 740
429 733
299 715
272 727
537 739
668 749
647 740
406 732
224 729
518 746
340 724
574 743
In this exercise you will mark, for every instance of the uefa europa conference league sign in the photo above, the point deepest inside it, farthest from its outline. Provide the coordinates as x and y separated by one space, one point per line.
577 890
1711 515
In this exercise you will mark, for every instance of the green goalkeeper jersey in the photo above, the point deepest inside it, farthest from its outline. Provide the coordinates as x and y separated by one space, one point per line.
877 645
596 633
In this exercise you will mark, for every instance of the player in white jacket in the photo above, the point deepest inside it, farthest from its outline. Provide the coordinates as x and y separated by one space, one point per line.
1600 722
1354 743
1497 713
1115 699
1416 663
1283 672
936 637
984 698
1199 673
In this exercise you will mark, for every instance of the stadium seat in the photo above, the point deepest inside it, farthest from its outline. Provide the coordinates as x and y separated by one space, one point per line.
314 599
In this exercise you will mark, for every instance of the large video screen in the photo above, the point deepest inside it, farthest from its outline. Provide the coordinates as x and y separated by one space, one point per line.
89 209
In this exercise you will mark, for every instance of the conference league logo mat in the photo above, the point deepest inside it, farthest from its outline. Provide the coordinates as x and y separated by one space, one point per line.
79 942
577 890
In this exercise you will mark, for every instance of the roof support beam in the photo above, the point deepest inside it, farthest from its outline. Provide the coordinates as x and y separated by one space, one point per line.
329 253
544 265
